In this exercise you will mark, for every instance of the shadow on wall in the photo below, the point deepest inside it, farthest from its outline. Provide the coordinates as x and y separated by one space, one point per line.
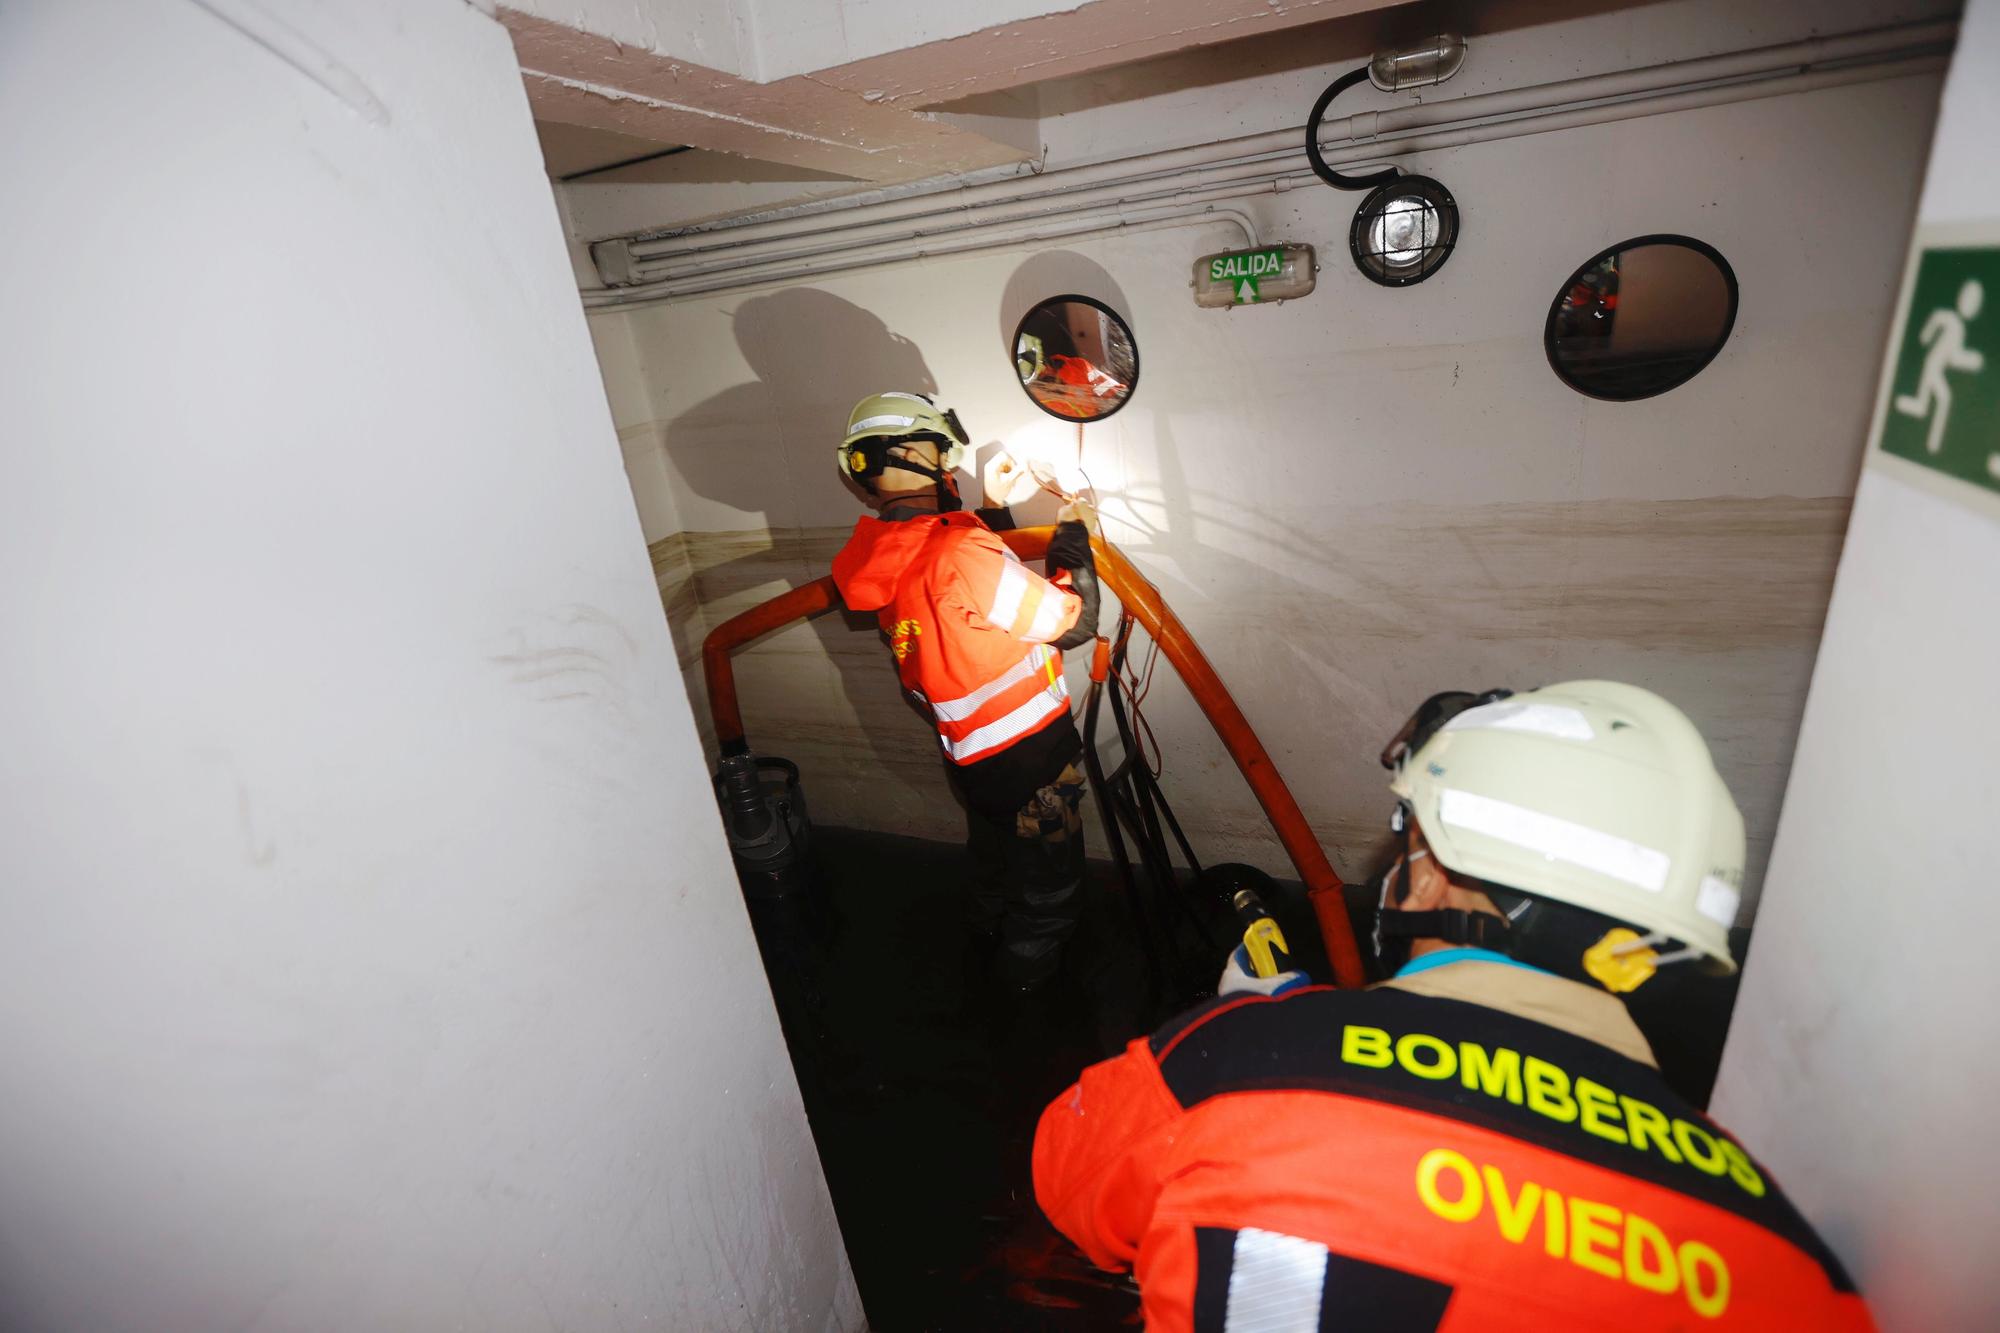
1049 274
767 448
814 356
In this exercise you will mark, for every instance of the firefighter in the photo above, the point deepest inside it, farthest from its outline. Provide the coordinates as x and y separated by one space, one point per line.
1484 1141
1067 385
978 639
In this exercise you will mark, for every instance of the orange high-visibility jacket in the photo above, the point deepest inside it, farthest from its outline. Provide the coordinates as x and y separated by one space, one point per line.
969 624
1085 391
1389 1161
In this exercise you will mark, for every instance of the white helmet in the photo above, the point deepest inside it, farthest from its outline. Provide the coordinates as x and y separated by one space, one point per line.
1591 793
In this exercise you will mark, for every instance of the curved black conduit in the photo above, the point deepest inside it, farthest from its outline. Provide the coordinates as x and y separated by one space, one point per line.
1131 805
1337 179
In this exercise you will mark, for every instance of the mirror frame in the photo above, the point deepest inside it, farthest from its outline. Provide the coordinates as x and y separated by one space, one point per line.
1651 238
1131 387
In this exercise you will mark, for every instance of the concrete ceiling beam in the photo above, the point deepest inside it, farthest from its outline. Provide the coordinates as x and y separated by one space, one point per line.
581 78
1083 40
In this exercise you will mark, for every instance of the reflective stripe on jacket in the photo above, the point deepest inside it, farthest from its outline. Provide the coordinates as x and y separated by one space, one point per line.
1387 1160
969 625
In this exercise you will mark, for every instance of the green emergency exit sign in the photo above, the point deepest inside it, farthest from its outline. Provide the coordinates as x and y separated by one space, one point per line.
1941 407
1254 277
1245 270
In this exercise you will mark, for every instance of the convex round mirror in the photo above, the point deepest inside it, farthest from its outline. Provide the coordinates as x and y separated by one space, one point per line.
1076 358
1641 318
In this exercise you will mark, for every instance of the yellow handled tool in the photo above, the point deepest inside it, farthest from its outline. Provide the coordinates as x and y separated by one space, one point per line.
1262 940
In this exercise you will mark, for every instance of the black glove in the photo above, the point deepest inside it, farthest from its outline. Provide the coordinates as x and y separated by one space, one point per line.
1084 583
1070 548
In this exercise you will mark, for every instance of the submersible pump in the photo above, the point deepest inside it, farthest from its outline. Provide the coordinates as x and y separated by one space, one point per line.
764 813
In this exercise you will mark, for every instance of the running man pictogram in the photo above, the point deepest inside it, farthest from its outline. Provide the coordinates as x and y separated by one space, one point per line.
1944 335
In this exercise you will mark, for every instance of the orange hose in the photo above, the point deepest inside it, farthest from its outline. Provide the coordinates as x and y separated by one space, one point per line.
1137 594
801 603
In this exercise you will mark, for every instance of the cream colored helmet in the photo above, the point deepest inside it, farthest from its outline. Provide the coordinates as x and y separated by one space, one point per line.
1591 793
883 419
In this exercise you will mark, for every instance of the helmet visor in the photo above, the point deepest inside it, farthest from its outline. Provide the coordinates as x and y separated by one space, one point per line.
952 425
1429 719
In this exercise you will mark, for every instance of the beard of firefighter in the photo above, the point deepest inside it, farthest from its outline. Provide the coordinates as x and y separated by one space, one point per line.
977 638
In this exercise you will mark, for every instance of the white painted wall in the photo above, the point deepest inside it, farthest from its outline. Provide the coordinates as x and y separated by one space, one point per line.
1367 495
1861 1060
371 957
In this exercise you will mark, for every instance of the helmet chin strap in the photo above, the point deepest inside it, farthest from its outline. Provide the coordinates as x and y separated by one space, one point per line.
948 501
1453 925
1480 930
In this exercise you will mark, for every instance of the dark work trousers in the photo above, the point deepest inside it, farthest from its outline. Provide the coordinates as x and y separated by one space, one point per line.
1027 884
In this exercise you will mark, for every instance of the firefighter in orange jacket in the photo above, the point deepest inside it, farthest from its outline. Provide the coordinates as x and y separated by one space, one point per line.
1483 1142
1069 386
977 638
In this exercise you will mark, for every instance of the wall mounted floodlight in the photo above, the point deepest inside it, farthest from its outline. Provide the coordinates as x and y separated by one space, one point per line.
1392 71
1404 231
1419 66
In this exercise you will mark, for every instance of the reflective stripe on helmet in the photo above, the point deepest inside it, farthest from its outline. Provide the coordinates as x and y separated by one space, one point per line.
1567 724
870 423
1558 839
1718 901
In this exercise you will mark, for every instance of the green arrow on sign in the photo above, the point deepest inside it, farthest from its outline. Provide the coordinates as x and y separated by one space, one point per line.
1244 268
1944 401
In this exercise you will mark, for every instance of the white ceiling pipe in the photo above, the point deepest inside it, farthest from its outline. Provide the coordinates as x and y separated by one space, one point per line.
1238 158
946 196
1674 76
687 289
951 201
1003 211
983 238
879 220
649 265
1693 99
875 207
1193 187
737 277
656 293
646 265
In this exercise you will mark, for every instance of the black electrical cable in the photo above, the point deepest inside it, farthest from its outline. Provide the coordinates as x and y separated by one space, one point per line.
1145 797
1339 180
1100 786
1146 809
1132 806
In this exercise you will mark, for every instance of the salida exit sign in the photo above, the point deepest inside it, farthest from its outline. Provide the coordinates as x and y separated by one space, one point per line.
1253 277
